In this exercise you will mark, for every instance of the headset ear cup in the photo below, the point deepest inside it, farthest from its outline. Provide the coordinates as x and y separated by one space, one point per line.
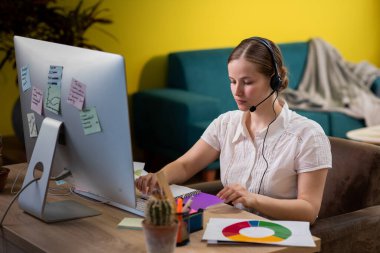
275 82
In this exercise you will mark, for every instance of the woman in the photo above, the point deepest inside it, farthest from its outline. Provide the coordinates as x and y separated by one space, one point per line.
272 160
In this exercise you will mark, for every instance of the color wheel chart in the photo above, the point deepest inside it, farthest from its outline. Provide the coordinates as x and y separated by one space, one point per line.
286 233
257 232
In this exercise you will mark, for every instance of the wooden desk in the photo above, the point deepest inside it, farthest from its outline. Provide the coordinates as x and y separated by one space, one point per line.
24 233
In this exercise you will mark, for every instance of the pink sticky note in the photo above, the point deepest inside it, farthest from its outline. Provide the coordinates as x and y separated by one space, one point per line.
36 101
77 94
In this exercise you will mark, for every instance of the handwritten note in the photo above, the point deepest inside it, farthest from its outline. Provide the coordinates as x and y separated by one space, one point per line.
77 94
53 98
36 101
55 75
32 125
90 121
25 79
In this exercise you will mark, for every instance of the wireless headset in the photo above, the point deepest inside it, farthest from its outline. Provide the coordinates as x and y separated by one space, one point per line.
275 81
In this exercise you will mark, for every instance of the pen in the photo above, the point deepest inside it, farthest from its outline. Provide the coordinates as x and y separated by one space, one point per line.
186 208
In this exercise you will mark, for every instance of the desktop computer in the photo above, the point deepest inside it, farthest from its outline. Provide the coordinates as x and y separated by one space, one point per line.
75 119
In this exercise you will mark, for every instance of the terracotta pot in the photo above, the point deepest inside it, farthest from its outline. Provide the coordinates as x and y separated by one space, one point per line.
3 177
160 239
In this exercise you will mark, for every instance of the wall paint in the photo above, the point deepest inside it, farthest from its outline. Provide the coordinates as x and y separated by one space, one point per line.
147 30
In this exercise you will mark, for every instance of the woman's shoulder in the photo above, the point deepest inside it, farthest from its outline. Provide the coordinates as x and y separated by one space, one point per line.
230 116
301 124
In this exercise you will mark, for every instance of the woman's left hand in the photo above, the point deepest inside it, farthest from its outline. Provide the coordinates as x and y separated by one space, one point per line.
236 194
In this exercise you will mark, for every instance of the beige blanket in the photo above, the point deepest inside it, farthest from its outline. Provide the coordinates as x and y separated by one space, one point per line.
332 84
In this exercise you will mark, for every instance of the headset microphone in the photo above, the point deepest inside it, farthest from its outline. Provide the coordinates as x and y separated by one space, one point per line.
253 107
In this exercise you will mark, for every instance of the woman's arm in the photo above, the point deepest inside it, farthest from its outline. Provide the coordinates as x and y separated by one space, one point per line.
305 207
180 170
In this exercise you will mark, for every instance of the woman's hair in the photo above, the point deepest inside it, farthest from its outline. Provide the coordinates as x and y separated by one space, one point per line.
255 52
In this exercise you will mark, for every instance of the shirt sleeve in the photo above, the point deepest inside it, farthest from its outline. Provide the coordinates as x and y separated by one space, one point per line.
314 152
211 134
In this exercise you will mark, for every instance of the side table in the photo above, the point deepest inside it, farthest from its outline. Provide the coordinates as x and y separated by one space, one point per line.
366 134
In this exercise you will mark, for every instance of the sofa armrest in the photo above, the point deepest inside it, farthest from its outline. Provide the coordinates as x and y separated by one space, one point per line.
376 87
161 117
350 232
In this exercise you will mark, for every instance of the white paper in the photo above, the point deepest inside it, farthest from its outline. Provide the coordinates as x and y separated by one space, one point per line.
32 125
300 232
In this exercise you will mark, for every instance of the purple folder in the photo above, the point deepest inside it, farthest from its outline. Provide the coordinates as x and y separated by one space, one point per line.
203 200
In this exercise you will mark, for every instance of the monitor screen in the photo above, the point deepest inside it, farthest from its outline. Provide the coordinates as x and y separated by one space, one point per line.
86 91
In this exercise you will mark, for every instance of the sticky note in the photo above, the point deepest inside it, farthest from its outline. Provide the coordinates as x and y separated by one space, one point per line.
53 98
25 79
32 125
55 75
131 223
77 94
90 121
36 101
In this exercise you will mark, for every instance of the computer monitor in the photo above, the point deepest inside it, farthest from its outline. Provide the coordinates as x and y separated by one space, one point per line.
97 152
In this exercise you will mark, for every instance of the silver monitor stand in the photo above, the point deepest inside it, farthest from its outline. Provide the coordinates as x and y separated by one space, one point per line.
33 199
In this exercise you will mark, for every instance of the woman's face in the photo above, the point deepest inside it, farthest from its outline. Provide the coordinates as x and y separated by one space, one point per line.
248 86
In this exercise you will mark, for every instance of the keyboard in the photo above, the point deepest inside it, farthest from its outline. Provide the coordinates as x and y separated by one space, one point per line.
140 204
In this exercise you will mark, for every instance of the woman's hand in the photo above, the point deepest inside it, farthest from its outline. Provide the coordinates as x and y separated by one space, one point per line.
237 194
147 184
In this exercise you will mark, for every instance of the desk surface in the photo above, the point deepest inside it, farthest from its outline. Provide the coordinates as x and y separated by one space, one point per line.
366 134
100 233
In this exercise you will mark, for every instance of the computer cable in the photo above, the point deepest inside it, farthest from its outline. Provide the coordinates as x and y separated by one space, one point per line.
14 198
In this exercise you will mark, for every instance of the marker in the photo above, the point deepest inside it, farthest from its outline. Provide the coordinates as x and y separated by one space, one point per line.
179 205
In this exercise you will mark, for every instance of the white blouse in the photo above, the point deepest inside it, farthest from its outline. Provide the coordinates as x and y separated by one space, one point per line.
294 144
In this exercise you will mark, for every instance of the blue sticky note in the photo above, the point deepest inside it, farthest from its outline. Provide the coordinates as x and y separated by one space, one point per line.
55 75
26 84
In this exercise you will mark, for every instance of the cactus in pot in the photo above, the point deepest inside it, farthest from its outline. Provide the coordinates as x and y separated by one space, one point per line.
159 211
160 225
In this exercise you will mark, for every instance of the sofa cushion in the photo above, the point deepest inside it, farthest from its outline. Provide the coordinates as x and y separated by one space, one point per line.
186 70
358 231
342 123
295 57
347 184
203 72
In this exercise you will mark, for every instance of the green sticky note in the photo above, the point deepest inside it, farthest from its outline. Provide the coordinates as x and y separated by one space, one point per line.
90 121
53 98
131 223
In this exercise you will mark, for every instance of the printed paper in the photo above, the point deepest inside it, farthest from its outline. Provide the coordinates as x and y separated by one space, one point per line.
32 125
289 233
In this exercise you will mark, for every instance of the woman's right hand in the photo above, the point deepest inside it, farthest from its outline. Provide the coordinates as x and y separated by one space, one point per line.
147 184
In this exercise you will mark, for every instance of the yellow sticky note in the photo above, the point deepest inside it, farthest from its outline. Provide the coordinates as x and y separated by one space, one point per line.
131 223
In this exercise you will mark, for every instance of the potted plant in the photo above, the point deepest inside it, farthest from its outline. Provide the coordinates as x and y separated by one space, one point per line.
160 225
45 20
3 171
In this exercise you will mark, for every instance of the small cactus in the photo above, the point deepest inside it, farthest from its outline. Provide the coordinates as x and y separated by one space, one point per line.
159 211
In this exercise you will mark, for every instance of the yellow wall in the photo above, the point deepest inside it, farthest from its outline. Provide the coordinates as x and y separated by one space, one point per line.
147 30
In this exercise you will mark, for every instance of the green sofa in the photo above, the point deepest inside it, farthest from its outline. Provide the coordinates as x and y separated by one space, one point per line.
168 121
